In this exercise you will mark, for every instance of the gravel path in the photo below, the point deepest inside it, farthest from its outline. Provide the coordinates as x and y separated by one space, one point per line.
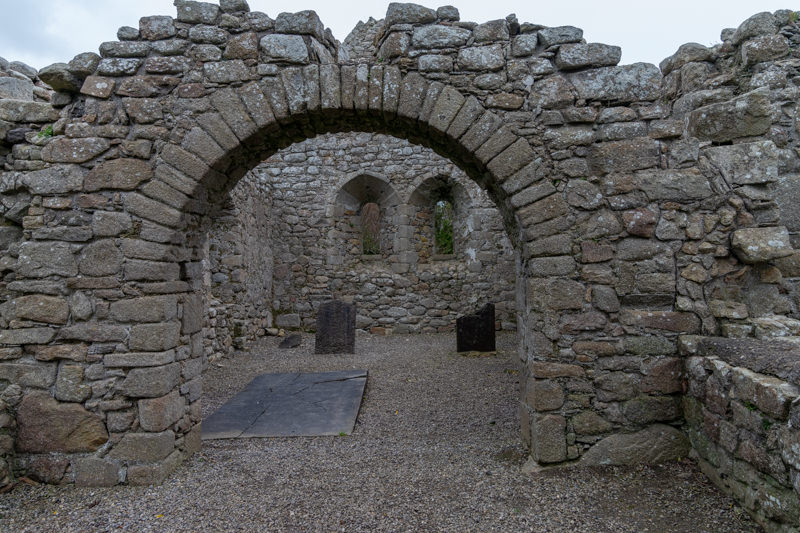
436 448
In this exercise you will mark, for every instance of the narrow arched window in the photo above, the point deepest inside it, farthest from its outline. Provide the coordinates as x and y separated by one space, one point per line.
443 227
370 229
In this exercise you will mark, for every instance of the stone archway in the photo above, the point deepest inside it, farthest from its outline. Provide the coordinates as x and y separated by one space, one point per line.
615 217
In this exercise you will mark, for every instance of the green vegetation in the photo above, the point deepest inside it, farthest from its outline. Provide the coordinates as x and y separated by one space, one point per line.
443 227
46 132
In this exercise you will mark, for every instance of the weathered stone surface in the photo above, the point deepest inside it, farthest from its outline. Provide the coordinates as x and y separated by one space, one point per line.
84 64
101 258
290 48
623 156
144 447
117 66
744 116
41 308
764 48
626 83
405 13
159 414
59 77
26 111
41 259
560 35
63 150
746 163
46 425
242 46
544 395
760 245
125 174
549 439
590 423
763 23
138 359
97 86
70 386
575 56
302 22
47 469
151 382
687 53
676 185
481 58
95 472
197 12
15 88
147 474
336 328
438 36
666 320
40 376
154 337
94 332
147 86
656 444
145 309
156 28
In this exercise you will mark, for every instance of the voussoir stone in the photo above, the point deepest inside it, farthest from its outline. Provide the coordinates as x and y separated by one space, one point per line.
46 425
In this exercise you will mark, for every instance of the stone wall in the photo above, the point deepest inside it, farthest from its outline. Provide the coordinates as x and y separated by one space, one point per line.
238 269
405 288
742 410
641 204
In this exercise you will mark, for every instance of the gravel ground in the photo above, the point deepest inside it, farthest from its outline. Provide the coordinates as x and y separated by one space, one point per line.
436 448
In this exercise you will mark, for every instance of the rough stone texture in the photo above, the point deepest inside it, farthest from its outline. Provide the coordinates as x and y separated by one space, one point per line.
46 425
658 443
759 245
744 116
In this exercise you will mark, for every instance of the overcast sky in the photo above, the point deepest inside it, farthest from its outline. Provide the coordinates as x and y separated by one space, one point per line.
41 32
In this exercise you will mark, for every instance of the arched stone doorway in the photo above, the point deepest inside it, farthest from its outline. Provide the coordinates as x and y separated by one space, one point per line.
621 228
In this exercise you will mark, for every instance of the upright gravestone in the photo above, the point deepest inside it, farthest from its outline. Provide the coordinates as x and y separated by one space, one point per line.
475 333
336 328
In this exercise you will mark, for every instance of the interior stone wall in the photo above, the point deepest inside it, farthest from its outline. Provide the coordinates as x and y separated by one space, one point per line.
641 203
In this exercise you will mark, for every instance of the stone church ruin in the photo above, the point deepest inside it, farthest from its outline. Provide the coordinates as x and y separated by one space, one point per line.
211 176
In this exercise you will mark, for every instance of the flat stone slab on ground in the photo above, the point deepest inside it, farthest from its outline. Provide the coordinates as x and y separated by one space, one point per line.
290 405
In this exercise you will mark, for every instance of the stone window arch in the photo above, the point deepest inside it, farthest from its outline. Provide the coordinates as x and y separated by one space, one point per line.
364 214
441 208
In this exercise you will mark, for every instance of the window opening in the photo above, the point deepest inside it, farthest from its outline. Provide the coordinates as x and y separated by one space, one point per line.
443 227
370 229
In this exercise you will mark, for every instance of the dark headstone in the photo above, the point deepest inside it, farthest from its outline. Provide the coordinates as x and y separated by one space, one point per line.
292 341
336 328
475 333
